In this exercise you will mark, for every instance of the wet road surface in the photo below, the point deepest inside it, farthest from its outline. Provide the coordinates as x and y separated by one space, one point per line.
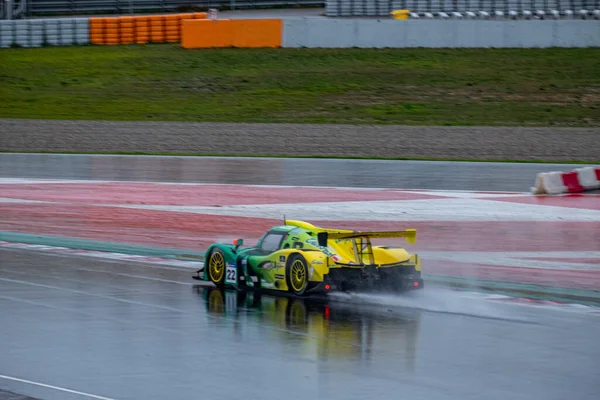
280 171
138 331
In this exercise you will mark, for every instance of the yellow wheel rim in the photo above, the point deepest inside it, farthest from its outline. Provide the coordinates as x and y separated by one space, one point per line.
298 276
216 267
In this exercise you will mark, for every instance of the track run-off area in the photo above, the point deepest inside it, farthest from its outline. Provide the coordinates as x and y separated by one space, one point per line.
80 323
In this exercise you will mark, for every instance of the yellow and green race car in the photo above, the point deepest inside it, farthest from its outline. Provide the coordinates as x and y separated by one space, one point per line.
300 258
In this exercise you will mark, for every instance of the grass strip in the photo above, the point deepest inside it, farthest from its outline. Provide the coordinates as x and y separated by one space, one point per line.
163 82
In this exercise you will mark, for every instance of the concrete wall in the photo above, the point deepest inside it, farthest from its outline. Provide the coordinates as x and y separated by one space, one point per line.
54 31
318 32
324 32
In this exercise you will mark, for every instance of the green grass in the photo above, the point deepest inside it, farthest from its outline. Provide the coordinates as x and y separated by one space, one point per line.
529 87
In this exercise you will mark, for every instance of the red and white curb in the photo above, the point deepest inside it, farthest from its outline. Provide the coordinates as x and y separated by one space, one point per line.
544 260
576 181
272 202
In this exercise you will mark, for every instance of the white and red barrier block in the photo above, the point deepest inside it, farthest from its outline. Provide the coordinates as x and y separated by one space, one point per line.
576 181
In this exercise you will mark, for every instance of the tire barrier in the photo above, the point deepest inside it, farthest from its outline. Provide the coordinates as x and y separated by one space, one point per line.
139 30
44 32
576 181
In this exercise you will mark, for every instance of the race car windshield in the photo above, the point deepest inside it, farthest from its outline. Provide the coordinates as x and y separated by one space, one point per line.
271 242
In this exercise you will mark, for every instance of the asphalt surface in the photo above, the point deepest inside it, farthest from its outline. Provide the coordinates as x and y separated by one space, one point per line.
227 139
134 331
280 171
116 330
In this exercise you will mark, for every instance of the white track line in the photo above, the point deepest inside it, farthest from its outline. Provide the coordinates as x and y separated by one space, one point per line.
137 303
89 314
24 181
98 271
92 396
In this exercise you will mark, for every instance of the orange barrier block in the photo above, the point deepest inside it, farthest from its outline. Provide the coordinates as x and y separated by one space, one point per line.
199 15
185 16
257 33
202 33
231 33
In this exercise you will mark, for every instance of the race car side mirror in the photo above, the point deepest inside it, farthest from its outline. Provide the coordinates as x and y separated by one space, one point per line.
238 242
322 239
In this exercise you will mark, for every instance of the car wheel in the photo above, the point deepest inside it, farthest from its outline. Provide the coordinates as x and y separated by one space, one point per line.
296 273
216 267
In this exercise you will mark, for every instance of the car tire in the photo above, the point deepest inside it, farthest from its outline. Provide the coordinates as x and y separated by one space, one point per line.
216 267
296 274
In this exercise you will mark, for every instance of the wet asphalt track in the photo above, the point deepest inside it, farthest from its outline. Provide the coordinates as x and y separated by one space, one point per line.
133 331
280 171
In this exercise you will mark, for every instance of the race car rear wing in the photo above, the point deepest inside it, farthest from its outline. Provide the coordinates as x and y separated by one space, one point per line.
409 234
362 240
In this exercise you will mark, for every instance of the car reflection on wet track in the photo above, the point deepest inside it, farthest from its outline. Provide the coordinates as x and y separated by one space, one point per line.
328 329
130 330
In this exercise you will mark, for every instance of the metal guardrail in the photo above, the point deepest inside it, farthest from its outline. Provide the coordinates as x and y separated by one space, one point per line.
10 9
348 8
71 7
23 8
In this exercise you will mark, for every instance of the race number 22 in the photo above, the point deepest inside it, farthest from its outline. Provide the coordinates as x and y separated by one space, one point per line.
231 273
